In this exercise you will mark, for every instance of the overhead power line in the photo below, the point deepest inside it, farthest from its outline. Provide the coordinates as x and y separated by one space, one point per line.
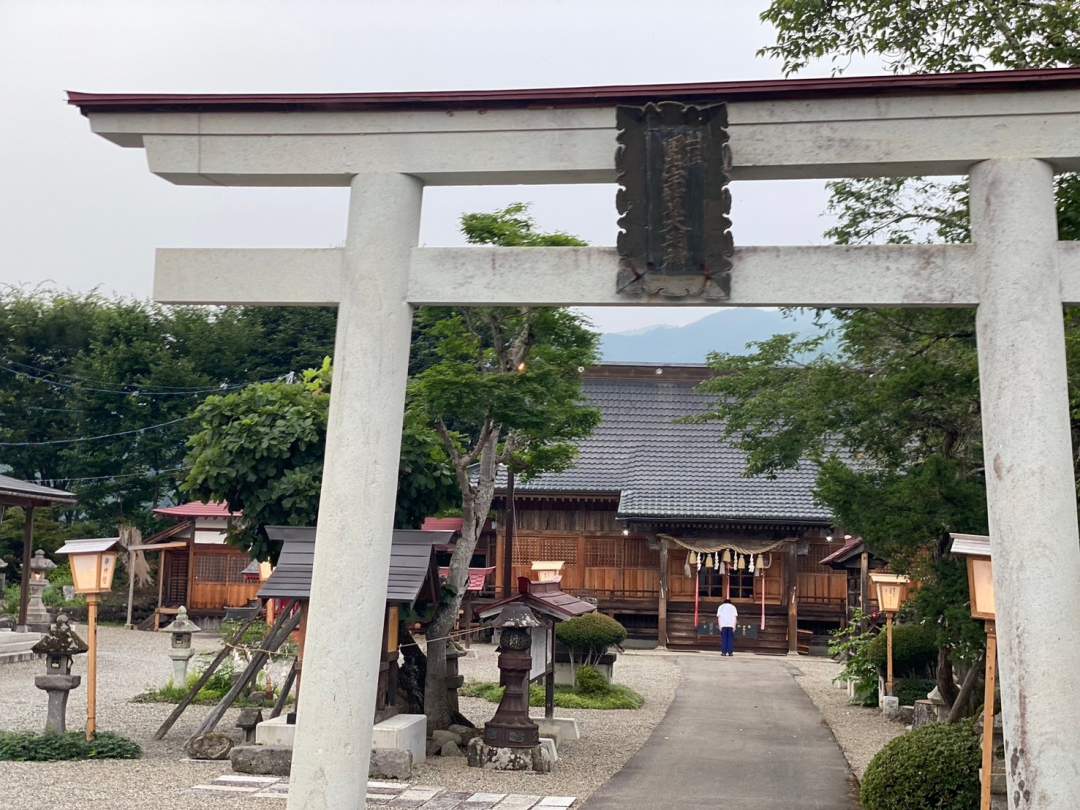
95 438
133 390
155 474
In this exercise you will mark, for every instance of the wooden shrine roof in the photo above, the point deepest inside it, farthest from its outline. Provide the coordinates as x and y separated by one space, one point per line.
14 492
546 598
411 564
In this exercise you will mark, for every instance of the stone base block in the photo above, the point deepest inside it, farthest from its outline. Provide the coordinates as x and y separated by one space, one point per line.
17 646
540 758
275 732
561 729
406 732
390 763
549 750
565 673
262 760
890 706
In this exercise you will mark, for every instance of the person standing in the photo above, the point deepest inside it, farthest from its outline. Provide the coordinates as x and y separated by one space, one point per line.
726 616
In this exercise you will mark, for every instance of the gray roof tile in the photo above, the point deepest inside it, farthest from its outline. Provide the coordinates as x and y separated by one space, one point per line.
664 469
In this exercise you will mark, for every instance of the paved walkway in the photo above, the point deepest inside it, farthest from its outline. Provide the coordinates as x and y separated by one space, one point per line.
396 795
740 734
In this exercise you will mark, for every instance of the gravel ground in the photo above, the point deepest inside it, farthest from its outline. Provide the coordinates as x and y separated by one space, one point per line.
129 662
861 732
608 738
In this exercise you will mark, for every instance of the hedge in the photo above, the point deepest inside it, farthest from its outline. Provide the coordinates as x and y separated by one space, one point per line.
935 767
27 746
914 650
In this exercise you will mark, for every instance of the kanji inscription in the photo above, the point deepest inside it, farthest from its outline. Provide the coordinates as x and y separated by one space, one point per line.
673 165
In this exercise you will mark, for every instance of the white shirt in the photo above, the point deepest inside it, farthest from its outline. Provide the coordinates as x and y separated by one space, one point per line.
727 614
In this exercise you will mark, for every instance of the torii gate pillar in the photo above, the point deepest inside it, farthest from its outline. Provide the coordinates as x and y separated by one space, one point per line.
1031 497
360 473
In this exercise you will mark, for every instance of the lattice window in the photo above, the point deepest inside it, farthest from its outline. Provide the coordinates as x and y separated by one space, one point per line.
602 552
528 548
219 568
638 554
810 563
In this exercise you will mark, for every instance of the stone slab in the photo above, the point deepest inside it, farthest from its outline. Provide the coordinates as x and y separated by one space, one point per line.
407 732
561 729
275 731
261 759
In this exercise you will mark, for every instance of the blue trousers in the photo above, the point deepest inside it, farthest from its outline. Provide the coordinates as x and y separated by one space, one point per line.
727 640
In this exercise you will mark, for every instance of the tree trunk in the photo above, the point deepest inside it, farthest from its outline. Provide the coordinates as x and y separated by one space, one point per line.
946 683
476 503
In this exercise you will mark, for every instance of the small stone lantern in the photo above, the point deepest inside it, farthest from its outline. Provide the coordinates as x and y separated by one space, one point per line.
58 646
180 652
37 617
511 741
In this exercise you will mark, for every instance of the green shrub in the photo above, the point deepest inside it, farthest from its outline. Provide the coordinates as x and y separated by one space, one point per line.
31 747
935 767
588 637
616 696
908 690
914 650
851 645
591 681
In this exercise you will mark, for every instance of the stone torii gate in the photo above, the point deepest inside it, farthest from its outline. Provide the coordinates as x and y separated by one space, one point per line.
1009 131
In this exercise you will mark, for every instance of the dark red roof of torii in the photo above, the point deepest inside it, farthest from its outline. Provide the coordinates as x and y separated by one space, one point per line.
755 90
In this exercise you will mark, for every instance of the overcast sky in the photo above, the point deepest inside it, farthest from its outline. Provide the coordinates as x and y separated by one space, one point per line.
79 212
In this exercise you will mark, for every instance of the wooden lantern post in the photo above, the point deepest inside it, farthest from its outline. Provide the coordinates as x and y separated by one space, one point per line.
93 563
891 592
976 549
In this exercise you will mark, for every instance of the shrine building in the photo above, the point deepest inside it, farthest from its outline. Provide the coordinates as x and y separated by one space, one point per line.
658 522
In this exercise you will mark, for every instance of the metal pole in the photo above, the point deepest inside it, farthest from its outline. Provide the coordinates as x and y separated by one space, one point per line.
91 666
988 717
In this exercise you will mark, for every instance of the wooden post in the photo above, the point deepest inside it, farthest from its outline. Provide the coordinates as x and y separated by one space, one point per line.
91 665
661 616
162 562
791 579
508 537
301 638
988 716
190 567
888 655
549 675
864 582
28 552
131 586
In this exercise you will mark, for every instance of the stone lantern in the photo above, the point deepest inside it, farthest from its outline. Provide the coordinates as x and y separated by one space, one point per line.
180 651
37 617
58 646
511 741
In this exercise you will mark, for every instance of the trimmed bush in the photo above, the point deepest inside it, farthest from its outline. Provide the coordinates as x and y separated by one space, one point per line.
588 637
591 681
914 650
935 767
908 690
27 746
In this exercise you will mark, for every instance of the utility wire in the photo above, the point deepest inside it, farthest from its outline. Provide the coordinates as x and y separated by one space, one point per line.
95 438
134 391
158 474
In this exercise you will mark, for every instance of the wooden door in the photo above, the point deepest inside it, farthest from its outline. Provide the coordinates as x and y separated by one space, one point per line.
174 578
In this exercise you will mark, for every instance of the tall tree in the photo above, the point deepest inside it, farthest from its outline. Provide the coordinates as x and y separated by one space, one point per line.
892 419
502 389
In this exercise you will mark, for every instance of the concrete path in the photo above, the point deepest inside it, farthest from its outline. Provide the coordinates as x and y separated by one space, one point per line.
740 734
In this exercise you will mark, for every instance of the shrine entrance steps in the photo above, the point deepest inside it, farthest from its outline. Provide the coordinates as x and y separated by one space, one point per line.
740 734
772 640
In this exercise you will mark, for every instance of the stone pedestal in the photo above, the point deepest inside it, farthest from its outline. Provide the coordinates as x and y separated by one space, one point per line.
539 758
561 729
57 687
37 617
180 658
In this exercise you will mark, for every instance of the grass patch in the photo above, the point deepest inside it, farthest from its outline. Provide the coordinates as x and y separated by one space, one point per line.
616 696
27 746
211 693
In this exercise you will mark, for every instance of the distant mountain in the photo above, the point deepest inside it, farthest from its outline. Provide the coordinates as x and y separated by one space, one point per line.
728 330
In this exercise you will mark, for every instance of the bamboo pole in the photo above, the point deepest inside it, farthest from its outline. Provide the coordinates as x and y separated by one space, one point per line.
28 555
279 705
988 717
888 658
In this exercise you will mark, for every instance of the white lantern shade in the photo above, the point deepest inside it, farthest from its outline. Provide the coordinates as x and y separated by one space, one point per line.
976 549
93 563
891 590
